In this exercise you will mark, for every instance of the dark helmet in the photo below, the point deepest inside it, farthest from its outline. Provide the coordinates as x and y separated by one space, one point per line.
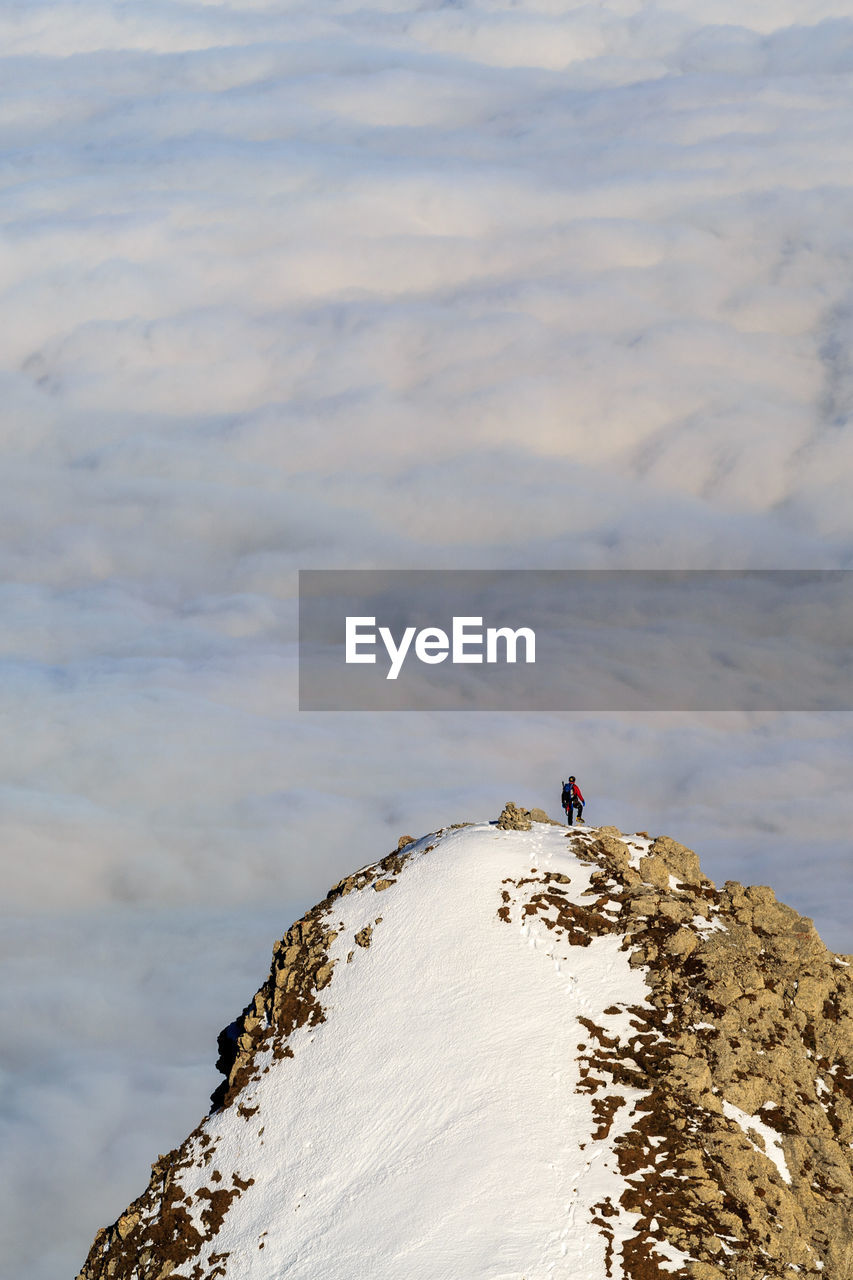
572 778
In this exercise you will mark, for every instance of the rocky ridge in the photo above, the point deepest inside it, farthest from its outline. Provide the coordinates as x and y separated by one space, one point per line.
743 1156
739 1151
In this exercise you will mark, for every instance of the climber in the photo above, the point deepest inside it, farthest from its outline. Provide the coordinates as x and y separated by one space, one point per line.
572 799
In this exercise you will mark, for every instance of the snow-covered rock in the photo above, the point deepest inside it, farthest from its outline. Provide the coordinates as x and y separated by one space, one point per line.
502 1054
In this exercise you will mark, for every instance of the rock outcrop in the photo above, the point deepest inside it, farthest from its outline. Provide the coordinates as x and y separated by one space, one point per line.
514 818
744 1156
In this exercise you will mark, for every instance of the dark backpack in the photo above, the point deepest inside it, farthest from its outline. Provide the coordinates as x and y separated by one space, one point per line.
568 795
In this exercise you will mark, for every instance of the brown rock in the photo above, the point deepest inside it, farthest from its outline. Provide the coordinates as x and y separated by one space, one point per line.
615 853
760 893
704 1271
682 943
643 905
126 1223
539 815
655 871
681 912
514 819
681 861
773 917
811 994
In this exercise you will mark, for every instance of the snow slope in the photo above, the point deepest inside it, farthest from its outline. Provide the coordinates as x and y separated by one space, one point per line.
430 1126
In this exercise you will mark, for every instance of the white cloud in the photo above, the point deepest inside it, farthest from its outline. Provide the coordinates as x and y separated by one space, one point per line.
112 1061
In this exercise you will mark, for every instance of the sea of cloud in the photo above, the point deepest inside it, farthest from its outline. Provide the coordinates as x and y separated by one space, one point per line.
444 285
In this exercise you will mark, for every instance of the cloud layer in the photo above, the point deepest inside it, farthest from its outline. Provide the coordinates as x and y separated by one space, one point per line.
487 285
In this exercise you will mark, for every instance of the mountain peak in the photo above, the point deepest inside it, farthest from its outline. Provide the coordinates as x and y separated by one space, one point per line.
521 1051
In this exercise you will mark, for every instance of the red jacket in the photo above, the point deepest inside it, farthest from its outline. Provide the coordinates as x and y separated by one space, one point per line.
576 791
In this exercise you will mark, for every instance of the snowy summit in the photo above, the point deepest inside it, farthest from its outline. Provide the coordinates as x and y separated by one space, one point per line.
517 1054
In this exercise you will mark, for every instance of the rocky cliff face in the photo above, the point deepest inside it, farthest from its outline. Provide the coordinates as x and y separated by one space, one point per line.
701 1042
742 1155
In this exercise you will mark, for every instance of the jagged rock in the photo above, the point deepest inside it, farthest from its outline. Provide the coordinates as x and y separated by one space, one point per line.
126 1223
774 1039
610 849
681 861
682 943
655 871
678 911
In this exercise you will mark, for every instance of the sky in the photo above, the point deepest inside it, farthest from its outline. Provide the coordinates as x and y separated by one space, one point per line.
386 286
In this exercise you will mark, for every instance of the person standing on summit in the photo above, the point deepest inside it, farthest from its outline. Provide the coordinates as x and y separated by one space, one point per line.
572 799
